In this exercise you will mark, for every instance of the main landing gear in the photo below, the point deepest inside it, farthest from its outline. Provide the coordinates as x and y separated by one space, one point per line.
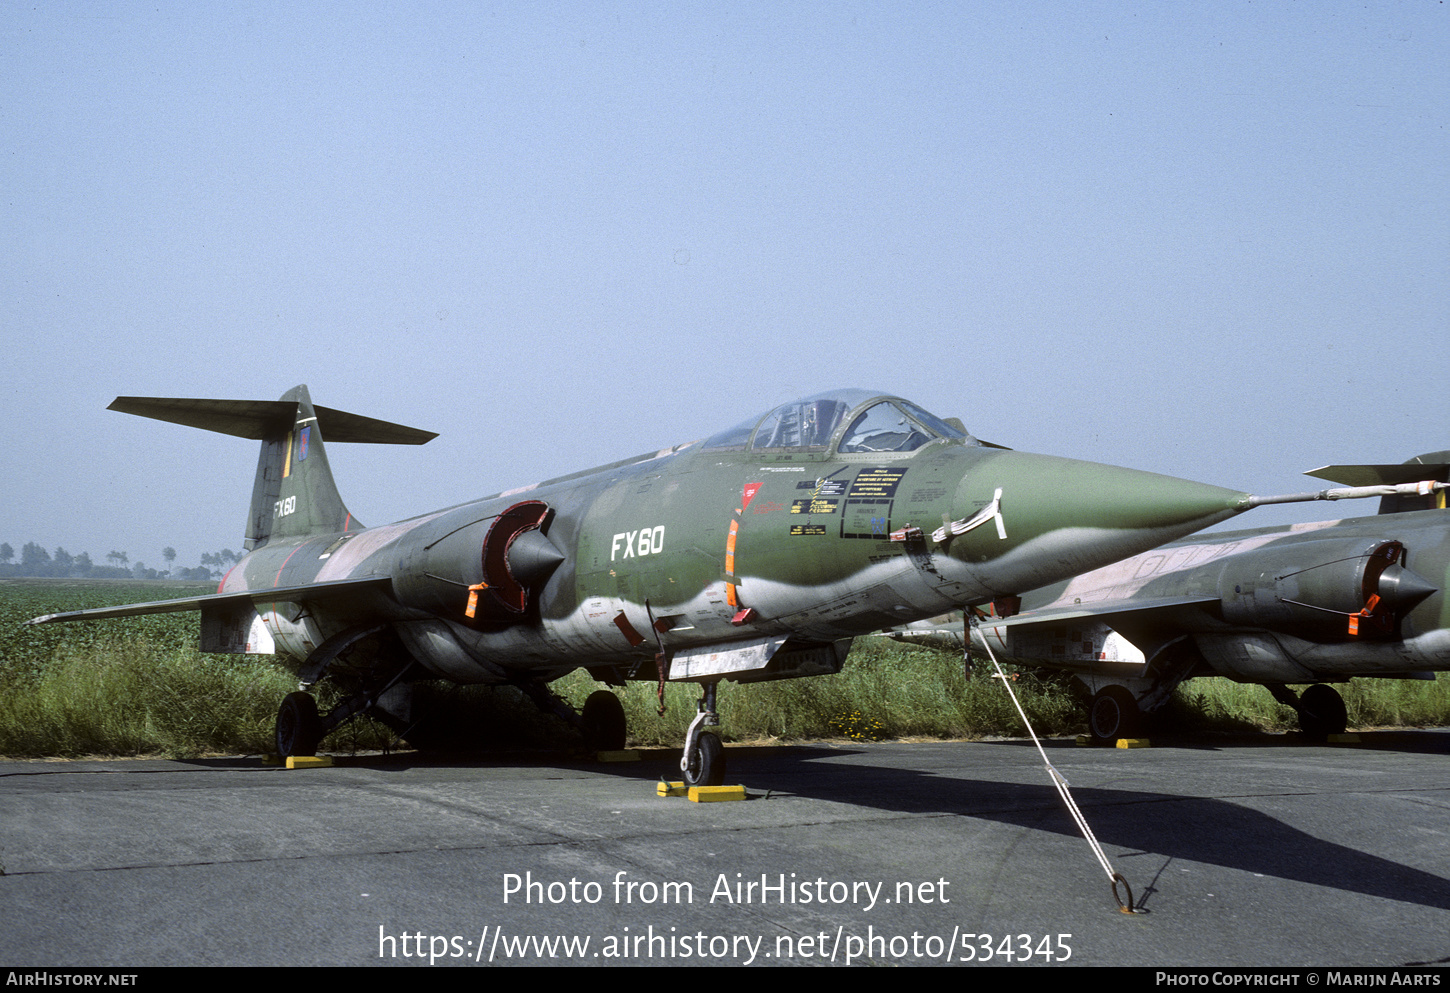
602 723
1113 714
703 763
300 727
1320 708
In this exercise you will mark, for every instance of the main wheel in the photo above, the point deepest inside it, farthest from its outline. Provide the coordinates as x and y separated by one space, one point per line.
1113 714
1321 712
707 764
298 727
602 722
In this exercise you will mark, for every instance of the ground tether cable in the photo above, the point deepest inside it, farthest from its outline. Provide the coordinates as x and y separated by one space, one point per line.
1063 791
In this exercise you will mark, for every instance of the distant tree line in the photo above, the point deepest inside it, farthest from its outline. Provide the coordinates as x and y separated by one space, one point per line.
36 561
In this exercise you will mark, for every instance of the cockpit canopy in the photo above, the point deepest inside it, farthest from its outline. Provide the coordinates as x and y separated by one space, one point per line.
856 421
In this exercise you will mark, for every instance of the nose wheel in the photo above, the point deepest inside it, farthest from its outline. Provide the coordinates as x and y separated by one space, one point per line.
703 762
706 765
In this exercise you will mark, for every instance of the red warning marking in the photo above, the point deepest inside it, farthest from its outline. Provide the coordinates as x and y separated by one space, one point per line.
627 629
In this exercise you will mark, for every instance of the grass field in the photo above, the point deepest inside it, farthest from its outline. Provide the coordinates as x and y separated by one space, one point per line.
138 686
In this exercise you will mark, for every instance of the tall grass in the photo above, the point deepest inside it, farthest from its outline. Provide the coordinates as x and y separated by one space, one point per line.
125 687
128 696
1221 704
139 686
884 691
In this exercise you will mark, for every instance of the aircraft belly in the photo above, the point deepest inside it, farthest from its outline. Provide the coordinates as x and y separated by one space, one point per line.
449 650
1078 643
1430 651
1252 657
613 629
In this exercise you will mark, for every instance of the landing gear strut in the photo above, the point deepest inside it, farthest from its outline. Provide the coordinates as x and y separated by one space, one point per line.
300 728
601 722
703 763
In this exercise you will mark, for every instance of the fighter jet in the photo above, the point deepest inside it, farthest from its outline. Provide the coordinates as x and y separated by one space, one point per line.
1313 603
754 554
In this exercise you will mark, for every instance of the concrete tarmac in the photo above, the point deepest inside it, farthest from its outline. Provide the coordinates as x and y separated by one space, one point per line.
1256 851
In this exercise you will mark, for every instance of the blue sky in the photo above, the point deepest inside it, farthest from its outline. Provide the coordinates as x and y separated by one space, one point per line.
1209 240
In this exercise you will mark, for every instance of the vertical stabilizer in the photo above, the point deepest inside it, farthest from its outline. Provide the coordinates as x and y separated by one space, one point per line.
294 494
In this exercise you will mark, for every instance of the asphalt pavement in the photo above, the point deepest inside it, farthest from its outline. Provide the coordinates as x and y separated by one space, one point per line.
1256 851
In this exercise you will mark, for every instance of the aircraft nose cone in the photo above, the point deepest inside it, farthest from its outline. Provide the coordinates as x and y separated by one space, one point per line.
1062 516
1045 493
1107 496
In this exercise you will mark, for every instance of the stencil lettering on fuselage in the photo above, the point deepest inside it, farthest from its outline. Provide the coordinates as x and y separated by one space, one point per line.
867 512
637 544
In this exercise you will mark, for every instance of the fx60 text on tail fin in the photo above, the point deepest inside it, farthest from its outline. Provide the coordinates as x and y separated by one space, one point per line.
755 554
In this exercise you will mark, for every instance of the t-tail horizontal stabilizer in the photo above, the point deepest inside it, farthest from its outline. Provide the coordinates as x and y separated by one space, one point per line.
256 419
1434 466
294 494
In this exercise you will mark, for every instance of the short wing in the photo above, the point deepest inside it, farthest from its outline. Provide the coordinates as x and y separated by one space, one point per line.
1150 623
281 594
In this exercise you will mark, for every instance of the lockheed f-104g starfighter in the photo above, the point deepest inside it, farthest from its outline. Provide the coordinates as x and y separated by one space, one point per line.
755 554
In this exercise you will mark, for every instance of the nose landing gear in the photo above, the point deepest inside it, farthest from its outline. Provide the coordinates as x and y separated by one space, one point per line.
703 763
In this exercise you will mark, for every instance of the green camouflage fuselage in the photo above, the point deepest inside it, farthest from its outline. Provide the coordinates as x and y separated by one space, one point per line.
699 546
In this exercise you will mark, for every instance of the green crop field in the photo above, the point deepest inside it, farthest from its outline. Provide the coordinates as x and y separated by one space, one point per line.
138 686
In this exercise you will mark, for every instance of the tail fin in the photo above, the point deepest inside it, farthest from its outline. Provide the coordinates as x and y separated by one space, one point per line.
1433 466
294 494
